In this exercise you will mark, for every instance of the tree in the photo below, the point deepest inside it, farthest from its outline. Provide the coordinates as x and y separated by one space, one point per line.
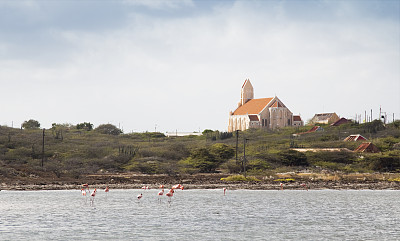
108 129
31 124
85 125
207 131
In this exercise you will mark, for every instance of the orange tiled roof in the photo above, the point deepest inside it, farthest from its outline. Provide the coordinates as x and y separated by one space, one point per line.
253 106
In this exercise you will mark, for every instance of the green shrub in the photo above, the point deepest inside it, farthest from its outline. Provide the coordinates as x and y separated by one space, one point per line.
284 180
384 162
328 156
293 158
240 178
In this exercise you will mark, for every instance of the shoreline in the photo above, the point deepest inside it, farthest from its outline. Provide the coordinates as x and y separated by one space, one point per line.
205 181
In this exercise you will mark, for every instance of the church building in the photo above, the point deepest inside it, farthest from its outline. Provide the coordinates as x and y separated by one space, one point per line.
268 113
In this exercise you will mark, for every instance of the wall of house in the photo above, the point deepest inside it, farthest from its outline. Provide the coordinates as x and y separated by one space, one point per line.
298 123
280 117
238 122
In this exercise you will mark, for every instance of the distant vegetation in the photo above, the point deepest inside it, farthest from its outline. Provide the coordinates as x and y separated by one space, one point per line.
75 150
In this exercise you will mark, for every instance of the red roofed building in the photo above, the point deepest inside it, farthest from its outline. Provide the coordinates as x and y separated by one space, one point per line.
341 121
258 113
355 138
367 147
297 121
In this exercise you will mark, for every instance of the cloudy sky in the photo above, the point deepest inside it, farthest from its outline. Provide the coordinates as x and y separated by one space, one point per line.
179 65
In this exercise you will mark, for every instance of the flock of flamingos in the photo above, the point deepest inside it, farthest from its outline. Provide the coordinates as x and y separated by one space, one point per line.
86 192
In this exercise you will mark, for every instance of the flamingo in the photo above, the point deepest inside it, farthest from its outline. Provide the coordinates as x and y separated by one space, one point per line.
93 193
177 186
139 196
160 193
305 186
169 195
92 196
282 186
161 186
182 188
83 192
224 190
107 189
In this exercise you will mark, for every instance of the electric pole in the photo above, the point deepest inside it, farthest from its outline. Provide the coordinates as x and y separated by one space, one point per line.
43 147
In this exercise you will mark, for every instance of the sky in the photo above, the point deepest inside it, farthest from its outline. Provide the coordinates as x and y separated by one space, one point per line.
150 65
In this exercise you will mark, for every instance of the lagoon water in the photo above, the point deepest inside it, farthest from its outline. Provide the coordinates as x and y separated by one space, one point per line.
201 215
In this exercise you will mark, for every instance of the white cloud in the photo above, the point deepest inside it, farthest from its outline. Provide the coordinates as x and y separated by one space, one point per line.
160 4
186 73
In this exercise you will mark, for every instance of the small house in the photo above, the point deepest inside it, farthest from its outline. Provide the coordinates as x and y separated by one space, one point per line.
324 118
367 147
341 121
355 138
297 121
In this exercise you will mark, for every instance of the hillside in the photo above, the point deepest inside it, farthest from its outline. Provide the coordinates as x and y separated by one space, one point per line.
72 154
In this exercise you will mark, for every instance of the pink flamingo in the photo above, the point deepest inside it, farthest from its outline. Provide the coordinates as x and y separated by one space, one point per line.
160 193
169 195
224 190
83 192
177 186
304 186
93 193
107 189
161 186
86 187
92 196
282 186
139 196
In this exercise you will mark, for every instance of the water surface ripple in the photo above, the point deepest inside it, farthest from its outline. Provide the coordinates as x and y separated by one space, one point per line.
201 215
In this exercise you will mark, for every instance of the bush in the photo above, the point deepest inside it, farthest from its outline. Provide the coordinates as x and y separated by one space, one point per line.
202 160
222 152
335 157
108 129
384 162
240 178
293 158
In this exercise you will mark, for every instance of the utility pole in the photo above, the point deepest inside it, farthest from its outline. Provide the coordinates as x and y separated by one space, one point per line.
365 117
237 143
244 155
43 147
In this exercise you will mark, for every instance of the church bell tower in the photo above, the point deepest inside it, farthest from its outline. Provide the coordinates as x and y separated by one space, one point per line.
246 93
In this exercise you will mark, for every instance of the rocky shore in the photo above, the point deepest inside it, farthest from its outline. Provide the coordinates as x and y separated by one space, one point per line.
197 181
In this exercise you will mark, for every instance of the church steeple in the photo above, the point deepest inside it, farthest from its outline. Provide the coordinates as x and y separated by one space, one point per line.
246 93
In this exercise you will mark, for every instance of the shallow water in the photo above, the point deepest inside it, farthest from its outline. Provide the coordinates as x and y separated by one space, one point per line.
201 215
